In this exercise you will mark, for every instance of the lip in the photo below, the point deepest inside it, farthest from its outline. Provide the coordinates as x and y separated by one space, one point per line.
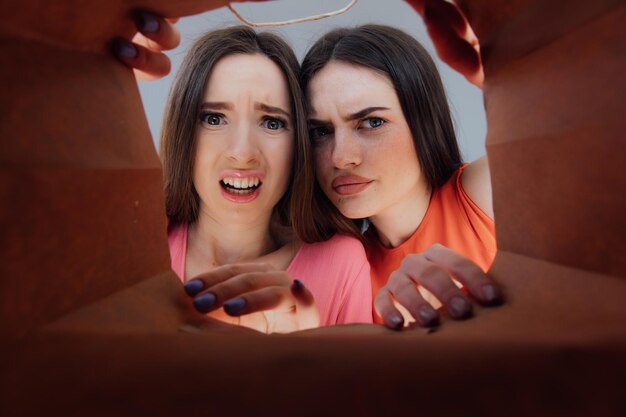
239 198
350 184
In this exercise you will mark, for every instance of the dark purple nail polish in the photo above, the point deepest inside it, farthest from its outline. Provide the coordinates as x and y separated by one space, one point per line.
395 321
235 306
124 49
203 303
428 316
460 307
147 22
491 294
193 287
298 286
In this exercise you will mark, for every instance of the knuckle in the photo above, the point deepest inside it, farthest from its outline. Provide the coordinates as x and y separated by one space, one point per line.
395 281
248 281
232 269
405 287
411 261
431 273
435 248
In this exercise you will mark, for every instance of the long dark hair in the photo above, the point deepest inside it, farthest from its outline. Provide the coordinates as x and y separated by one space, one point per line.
178 138
417 84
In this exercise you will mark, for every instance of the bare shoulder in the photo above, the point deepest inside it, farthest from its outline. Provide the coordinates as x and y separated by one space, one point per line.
476 181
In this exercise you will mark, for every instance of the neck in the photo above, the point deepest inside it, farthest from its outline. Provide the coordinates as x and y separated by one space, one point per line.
397 223
219 243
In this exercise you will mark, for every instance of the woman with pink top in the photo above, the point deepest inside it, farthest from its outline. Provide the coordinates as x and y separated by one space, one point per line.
237 169
457 46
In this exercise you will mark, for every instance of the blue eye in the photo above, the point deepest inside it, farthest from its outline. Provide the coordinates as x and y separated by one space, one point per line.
212 119
272 123
372 123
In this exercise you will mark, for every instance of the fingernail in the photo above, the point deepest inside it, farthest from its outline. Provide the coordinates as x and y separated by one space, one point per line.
124 48
193 287
491 294
460 307
429 316
395 322
204 302
235 306
298 286
147 22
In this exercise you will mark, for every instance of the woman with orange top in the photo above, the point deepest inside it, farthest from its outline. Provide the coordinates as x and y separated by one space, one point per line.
396 163
386 152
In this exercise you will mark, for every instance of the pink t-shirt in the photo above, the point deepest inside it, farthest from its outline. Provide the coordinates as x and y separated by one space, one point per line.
335 271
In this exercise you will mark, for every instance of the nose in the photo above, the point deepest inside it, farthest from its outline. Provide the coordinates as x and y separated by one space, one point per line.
243 148
346 150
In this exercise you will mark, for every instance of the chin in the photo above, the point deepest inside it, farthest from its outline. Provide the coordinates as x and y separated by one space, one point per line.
353 210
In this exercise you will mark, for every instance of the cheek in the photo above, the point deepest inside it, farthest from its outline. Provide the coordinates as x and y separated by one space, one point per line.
322 162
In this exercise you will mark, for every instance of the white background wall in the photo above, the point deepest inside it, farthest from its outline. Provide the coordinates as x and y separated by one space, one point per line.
465 99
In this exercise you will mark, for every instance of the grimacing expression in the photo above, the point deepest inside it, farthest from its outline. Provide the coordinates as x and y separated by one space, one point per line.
244 140
365 159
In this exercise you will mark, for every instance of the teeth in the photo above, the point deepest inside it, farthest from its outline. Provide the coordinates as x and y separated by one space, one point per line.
242 183
241 192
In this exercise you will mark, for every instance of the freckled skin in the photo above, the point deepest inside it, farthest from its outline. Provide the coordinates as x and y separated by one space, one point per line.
383 152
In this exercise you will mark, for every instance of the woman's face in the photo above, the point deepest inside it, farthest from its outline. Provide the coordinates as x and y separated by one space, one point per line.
244 139
365 158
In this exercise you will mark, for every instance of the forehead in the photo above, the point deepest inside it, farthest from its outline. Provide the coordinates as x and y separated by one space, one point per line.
254 75
349 85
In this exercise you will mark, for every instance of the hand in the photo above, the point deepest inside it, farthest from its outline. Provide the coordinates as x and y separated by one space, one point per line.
434 270
155 34
256 296
144 54
454 40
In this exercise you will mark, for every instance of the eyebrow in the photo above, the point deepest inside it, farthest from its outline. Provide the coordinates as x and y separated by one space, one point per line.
354 116
216 105
221 105
271 109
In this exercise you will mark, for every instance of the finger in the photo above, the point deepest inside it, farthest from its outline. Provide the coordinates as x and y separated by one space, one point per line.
221 315
437 280
146 64
308 314
470 275
405 292
238 286
453 39
156 33
269 298
220 274
384 307
443 13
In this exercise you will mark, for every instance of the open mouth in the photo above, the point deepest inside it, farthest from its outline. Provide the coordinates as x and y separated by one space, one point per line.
241 186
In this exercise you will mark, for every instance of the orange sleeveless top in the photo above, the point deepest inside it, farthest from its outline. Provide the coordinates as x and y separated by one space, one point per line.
453 220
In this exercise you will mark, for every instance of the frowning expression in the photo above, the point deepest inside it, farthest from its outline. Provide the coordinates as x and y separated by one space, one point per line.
365 158
244 139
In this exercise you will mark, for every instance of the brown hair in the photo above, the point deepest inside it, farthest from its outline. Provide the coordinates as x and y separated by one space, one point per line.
178 139
418 86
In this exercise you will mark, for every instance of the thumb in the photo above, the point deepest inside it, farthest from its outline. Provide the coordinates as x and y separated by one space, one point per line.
306 309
